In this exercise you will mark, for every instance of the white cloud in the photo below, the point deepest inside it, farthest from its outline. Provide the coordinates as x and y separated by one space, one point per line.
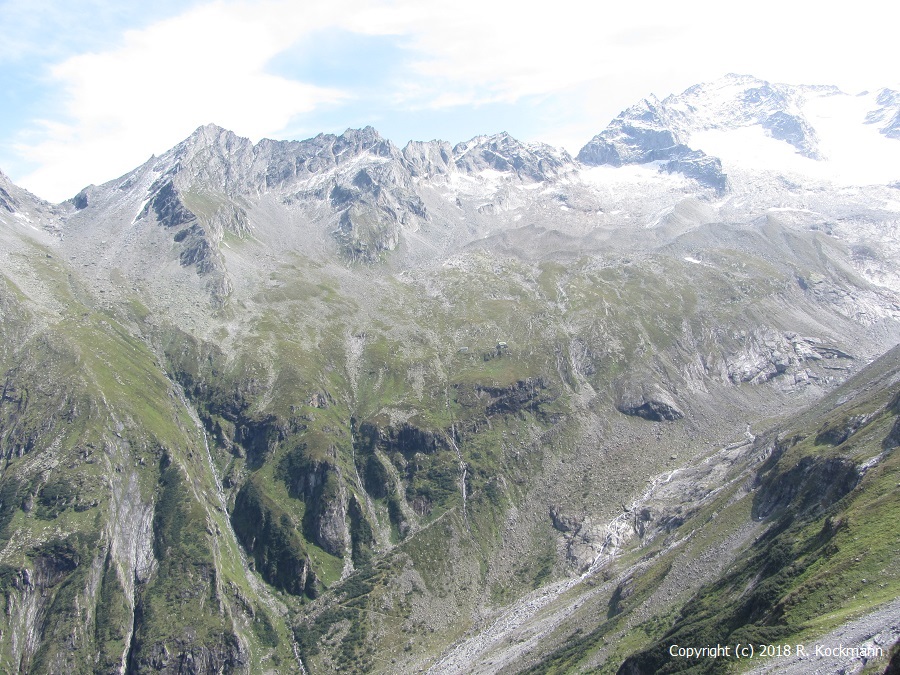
504 50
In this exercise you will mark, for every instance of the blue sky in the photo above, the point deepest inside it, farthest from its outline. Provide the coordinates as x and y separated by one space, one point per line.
90 89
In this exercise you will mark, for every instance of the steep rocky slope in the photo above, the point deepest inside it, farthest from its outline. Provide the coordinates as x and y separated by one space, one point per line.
771 540
339 406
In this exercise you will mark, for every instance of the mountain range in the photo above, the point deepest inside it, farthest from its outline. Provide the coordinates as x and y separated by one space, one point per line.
338 406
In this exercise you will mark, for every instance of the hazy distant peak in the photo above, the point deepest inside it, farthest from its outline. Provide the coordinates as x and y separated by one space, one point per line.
504 153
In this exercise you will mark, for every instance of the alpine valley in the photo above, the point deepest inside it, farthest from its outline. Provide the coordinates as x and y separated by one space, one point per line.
336 406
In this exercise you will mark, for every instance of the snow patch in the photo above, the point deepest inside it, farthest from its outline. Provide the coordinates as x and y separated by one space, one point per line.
140 210
854 153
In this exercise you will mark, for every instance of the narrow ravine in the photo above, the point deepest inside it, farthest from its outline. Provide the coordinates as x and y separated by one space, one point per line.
463 473
258 586
384 534
463 467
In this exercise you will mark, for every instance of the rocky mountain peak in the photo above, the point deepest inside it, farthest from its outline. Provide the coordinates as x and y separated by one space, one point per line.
741 78
210 158
649 131
887 114
362 140
640 134
26 206
211 135
429 158
648 108
214 159
501 152
7 201
208 144
724 87
737 101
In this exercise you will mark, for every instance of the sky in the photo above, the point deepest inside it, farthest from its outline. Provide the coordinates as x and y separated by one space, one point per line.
90 89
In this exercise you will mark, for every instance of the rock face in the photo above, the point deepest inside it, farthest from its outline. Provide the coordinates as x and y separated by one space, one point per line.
638 135
26 208
650 402
809 486
269 535
7 201
647 133
187 657
788 357
532 161
375 204
319 484
169 209
792 129
887 115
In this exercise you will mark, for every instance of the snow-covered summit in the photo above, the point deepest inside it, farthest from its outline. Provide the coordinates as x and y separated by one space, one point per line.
747 123
737 101
887 114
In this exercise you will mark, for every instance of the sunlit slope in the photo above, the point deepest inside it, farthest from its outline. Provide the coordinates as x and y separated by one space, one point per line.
116 549
814 501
